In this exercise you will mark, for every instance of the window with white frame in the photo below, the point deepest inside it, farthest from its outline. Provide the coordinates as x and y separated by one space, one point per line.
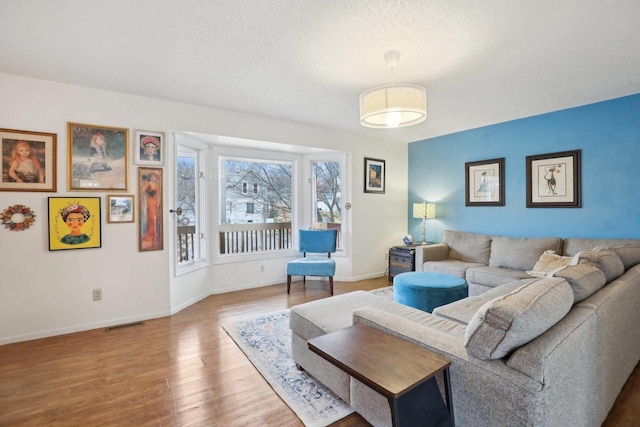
327 192
259 220
190 197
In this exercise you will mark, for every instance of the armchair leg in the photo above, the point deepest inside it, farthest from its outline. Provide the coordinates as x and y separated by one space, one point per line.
288 283
331 284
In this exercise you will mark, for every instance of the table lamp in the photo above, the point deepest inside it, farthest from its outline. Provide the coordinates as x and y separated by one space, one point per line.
425 211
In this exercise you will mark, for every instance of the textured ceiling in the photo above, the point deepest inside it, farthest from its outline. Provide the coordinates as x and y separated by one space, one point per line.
482 61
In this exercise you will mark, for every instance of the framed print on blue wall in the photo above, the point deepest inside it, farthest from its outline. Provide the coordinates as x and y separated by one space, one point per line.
484 182
553 180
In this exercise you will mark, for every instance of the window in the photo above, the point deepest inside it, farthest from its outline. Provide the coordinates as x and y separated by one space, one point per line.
190 191
260 220
327 195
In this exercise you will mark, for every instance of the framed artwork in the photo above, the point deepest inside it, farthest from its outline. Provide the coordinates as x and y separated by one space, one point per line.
98 157
28 160
149 147
120 208
150 209
484 183
374 170
74 223
553 180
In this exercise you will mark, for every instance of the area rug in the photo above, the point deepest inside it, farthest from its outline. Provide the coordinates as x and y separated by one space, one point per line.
266 340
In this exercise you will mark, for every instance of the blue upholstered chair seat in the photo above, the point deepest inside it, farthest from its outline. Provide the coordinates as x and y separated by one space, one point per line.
312 266
317 242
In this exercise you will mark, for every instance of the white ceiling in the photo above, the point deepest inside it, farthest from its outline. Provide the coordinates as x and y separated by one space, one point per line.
482 61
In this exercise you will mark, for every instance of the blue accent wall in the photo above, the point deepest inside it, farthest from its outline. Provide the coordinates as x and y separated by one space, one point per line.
608 133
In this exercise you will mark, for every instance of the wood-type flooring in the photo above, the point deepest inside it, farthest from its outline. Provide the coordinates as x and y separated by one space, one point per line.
182 370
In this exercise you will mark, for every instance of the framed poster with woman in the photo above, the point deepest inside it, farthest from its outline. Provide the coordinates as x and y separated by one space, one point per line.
28 160
150 209
74 223
98 157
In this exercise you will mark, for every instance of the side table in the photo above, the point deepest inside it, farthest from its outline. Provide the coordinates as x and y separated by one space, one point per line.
402 259
401 371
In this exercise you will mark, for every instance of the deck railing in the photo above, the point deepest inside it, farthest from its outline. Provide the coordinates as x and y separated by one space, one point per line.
244 238
254 237
186 243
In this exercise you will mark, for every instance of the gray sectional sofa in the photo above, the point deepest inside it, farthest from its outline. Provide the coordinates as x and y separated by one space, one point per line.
525 351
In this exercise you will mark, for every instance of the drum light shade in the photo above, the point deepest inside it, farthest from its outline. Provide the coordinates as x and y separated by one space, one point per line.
393 105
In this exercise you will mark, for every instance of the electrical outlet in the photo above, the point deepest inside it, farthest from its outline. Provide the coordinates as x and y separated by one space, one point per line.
97 294
262 268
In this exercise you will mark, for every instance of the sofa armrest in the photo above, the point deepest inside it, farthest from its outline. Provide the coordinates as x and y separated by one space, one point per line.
437 252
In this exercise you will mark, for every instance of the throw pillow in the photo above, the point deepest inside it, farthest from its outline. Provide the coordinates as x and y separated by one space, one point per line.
606 260
548 263
585 280
507 322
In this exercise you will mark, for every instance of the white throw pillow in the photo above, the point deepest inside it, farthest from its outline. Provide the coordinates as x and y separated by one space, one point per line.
550 262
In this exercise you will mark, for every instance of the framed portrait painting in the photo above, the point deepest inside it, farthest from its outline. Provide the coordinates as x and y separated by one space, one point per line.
374 172
484 183
149 148
120 208
150 209
74 223
28 160
98 157
553 180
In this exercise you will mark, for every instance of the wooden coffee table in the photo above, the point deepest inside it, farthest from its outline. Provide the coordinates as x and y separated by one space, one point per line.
399 370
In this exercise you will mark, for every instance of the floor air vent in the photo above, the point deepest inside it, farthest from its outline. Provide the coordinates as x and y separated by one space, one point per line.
124 325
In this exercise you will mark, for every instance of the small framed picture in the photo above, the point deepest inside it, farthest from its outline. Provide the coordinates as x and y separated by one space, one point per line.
74 223
149 148
28 160
374 170
98 157
553 180
120 208
484 183
150 209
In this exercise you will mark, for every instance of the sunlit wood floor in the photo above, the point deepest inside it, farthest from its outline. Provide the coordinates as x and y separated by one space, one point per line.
182 370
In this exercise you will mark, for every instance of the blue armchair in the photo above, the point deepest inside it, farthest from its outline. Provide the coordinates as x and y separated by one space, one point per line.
314 241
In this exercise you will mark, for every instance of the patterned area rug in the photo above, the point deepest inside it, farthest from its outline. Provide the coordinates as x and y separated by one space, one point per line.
266 340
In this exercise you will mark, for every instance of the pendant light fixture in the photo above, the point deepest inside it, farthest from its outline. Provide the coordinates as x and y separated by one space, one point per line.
393 105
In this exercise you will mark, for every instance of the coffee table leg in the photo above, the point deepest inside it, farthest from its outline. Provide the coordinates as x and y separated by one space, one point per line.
421 406
447 393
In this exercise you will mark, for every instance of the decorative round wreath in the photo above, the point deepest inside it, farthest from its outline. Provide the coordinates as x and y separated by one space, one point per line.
18 217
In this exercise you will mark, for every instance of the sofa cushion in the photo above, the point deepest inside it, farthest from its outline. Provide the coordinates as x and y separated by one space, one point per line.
469 247
450 266
548 263
629 255
606 260
584 280
505 323
494 276
572 246
462 311
521 253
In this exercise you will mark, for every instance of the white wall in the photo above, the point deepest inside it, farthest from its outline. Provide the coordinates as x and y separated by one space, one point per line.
46 293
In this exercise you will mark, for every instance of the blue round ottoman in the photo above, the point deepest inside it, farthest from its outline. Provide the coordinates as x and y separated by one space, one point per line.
426 290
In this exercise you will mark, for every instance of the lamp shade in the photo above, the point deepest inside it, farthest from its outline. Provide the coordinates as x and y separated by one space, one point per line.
424 210
393 105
